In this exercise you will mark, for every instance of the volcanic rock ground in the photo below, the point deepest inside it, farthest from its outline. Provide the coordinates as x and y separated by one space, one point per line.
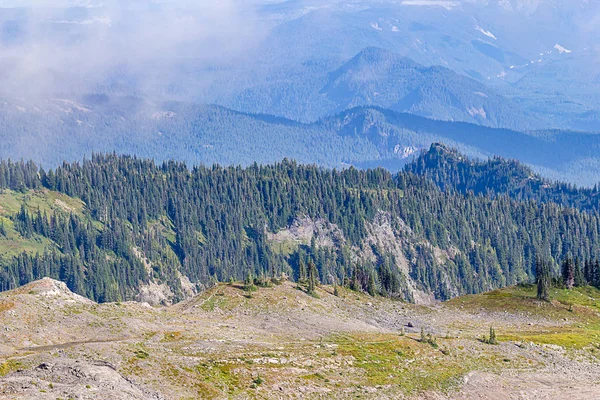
279 343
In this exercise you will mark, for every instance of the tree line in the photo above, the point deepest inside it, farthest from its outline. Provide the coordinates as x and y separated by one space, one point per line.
572 273
145 221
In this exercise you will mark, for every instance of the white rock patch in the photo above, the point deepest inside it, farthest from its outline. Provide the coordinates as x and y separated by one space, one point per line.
562 50
486 33
477 111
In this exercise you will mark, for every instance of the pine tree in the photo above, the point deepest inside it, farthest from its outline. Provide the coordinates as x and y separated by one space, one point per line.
588 273
302 273
578 278
568 273
371 289
542 271
249 283
313 277
354 284
492 339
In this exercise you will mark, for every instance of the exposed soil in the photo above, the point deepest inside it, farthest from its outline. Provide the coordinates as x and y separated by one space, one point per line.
282 343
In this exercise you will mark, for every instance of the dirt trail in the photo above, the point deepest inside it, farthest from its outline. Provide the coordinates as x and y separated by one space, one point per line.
62 346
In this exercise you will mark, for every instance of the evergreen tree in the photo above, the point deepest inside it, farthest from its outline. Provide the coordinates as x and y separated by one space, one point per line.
371 288
578 276
302 272
249 283
588 271
543 279
568 273
313 277
492 339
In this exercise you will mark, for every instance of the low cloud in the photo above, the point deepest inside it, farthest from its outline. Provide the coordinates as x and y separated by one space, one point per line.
136 46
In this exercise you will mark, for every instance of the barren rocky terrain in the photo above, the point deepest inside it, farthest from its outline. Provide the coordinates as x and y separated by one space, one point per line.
279 342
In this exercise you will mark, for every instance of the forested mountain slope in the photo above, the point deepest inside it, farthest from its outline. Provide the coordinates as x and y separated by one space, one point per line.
160 233
67 130
498 176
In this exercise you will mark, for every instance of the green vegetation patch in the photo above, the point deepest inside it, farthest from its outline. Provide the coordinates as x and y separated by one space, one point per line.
216 301
569 337
14 244
575 312
522 299
402 361
44 200
9 366
216 380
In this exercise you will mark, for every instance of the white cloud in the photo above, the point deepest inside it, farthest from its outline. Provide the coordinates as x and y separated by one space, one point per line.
137 38
95 20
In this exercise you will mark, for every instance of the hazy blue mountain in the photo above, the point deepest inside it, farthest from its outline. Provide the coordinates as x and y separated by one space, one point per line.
566 155
60 129
536 59
378 77
538 53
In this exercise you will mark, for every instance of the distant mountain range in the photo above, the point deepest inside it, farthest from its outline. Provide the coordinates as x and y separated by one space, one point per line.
540 54
58 129
306 59
381 78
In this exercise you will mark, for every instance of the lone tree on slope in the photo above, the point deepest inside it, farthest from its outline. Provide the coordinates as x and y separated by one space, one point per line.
542 272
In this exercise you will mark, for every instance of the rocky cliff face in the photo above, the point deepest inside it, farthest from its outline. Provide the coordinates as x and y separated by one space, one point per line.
391 236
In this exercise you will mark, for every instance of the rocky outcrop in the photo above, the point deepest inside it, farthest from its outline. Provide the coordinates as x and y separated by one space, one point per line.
155 294
303 229
160 294
394 241
53 289
393 237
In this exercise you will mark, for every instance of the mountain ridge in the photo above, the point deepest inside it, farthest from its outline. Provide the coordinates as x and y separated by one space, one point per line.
498 176
378 77
65 129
